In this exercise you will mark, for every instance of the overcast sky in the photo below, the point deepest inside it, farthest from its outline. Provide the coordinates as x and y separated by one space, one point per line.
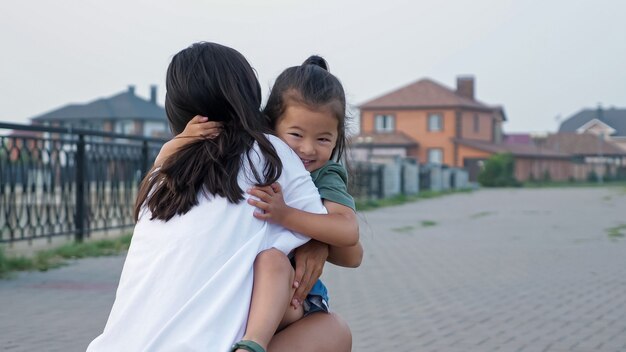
539 59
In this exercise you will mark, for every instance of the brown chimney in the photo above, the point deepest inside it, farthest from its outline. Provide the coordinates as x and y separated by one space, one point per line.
153 94
465 86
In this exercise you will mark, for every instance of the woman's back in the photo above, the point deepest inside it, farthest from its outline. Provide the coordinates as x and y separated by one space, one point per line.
186 283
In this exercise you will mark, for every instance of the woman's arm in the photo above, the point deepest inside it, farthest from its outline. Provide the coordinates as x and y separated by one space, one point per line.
310 259
337 228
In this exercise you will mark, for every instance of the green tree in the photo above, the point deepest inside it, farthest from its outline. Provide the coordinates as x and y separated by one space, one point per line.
499 171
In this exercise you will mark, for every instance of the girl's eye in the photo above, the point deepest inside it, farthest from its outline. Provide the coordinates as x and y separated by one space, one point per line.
325 140
294 134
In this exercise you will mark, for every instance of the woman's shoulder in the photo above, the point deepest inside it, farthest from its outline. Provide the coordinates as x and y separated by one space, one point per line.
280 147
278 144
291 165
298 188
287 156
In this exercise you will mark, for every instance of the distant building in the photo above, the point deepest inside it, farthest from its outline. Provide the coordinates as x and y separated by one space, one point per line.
439 125
517 138
373 146
436 118
124 113
589 153
610 123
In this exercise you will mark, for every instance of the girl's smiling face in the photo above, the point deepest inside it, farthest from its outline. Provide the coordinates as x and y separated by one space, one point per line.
312 134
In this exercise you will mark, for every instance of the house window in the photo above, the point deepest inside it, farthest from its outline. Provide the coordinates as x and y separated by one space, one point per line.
476 123
435 156
385 123
154 129
125 127
95 126
435 122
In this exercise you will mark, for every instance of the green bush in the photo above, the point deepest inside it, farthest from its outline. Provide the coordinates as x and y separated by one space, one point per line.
620 173
611 175
499 171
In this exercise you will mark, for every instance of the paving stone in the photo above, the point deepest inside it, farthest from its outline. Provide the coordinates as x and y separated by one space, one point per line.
502 270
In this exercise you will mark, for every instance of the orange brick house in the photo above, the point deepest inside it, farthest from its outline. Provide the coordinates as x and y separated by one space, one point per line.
436 117
436 124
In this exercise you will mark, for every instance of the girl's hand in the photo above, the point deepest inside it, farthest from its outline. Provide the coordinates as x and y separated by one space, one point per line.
197 128
271 202
201 128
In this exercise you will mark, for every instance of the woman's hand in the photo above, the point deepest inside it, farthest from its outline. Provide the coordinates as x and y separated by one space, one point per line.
201 128
271 202
310 259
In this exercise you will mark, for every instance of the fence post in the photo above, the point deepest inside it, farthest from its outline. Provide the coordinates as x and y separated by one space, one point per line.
402 178
381 182
369 173
79 220
144 159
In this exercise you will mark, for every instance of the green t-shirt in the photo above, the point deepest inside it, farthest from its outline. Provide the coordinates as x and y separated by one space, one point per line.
331 181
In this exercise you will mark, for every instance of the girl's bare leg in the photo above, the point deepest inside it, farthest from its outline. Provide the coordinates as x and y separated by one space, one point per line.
318 332
271 294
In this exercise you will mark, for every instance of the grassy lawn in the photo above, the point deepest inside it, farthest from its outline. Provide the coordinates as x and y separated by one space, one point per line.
617 231
365 205
54 258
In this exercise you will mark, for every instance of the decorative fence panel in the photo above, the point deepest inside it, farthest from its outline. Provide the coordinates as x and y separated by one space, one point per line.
56 182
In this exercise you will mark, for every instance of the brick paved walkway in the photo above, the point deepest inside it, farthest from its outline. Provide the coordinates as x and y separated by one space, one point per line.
505 270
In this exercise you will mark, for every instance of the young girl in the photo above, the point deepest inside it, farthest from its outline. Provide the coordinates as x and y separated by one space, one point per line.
307 109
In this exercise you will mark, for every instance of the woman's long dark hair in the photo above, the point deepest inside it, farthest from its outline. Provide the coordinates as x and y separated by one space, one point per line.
211 80
312 85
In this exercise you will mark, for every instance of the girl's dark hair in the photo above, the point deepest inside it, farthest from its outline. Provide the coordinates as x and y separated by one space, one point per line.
216 81
312 85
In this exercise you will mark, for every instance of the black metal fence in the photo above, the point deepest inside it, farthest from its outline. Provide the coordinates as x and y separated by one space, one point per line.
58 181
366 180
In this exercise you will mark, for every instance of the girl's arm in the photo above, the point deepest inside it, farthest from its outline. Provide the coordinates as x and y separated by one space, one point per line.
337 228
197 128
350 257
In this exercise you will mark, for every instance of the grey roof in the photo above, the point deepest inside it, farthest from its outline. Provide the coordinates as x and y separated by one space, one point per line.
125 105
616 118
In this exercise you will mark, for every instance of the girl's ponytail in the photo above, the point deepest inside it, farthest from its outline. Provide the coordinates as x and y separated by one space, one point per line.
316 61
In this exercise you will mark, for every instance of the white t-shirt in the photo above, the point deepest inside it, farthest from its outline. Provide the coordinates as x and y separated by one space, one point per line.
187 282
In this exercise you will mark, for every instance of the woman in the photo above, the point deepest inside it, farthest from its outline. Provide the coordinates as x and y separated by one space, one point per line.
187 278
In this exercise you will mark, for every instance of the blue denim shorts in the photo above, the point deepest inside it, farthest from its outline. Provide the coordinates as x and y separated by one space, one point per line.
313 304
